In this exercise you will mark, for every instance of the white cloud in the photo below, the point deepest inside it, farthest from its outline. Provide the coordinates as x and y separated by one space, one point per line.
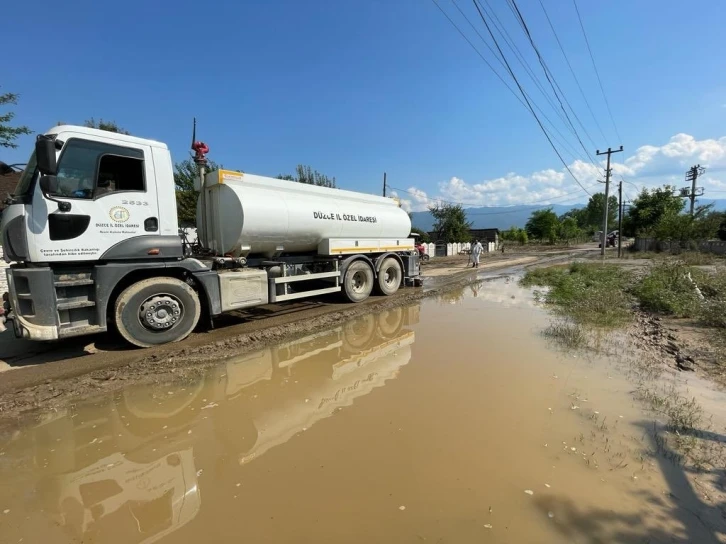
648 166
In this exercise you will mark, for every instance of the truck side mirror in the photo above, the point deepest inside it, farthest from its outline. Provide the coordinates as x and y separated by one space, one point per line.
45 155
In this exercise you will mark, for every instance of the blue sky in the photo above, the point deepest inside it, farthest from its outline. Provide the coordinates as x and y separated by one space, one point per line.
358 88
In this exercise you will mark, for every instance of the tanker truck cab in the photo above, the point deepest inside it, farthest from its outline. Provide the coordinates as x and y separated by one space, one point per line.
92 234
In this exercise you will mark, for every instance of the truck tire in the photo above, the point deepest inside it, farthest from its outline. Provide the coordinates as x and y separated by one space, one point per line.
389 277
358 281
157 311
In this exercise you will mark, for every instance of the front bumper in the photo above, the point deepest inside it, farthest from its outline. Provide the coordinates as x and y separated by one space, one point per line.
22 328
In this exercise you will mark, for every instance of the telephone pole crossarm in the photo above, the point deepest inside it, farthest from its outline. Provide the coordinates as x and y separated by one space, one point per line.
692 175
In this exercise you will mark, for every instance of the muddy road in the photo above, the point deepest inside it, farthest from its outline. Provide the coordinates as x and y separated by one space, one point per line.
447 419
44 375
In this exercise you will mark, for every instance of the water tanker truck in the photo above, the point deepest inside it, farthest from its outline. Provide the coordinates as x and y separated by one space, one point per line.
93 237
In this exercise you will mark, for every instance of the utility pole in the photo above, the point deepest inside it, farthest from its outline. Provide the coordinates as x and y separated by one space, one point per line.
384 184
620 219
692 192
603 236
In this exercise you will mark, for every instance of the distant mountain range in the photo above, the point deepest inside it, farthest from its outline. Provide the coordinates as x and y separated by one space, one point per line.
503 218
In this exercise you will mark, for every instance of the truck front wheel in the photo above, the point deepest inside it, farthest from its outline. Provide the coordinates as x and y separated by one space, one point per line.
358 281
157 311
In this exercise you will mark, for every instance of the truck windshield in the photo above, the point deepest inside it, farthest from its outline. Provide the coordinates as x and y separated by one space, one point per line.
25 184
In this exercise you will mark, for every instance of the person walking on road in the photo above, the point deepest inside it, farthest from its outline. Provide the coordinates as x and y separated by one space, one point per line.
476 250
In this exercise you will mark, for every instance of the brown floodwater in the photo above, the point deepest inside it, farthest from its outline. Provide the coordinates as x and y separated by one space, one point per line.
452 421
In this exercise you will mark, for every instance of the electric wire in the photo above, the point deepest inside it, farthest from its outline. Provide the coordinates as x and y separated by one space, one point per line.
539 122
552 81
597 73
572 71
562 142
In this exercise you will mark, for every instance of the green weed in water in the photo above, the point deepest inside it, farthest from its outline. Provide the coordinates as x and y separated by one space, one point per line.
566 333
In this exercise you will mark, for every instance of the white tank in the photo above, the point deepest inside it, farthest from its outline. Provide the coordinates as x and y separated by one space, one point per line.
255 215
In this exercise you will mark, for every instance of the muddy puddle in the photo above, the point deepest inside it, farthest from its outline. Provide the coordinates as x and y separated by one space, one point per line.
450 421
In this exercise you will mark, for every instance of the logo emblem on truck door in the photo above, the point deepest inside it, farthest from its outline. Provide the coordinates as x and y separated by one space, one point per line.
119 214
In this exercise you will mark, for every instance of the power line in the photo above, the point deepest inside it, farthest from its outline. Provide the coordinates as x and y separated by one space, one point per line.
511 73
564 143
477 51
572 71
551 79
597 73
639 189
501 29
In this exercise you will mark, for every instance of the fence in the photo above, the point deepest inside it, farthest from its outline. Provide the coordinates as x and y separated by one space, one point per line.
653 244
442 249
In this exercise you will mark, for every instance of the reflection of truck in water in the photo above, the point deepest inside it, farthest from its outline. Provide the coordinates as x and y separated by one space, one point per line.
126 471
136 502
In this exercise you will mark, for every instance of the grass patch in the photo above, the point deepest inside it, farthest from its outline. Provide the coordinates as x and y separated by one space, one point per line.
713 308
683 414
603 295
566 333
666 289
698 258
586 293
673 288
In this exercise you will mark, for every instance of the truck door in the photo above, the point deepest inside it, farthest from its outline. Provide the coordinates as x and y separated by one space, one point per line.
111 188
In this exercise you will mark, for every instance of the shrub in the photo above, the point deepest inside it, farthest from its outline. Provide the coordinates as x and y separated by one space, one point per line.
666 289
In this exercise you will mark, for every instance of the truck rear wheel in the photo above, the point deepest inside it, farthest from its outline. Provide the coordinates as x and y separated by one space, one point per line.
358 281
389 277
157 311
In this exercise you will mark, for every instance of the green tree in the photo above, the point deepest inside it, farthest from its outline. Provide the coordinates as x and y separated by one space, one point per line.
9 133
706 223
543 225
450 224
649 207
515 234
681 227
423 236
185 172
305 174
569 230
109 126
590 217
